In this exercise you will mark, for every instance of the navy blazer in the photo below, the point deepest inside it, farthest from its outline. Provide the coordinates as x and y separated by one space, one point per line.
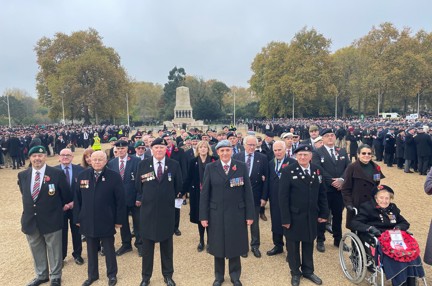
258 175
76 170
131 196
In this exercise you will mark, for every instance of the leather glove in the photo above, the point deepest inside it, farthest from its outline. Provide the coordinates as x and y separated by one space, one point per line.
350 207
373 230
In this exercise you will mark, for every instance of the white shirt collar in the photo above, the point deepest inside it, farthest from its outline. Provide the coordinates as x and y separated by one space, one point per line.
229 163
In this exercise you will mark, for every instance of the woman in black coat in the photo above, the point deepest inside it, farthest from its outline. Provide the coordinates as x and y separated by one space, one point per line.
193 184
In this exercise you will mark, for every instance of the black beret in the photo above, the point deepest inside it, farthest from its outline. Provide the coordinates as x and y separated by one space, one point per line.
269 134
325 131
303 147
121 143
231 134
159 141
380 188
166 134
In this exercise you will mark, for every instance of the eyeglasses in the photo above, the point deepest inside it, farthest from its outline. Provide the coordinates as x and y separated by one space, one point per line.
140 147
251 145
366 153
65 155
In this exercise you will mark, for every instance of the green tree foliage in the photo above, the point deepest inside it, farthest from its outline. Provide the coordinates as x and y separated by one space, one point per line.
146 97
176 78
82 74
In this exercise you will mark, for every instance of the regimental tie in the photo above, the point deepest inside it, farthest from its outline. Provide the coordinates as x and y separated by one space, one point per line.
307 172
66 170
96 174
248 162
332 155
36 187
159 171
122 169
277 166
226 169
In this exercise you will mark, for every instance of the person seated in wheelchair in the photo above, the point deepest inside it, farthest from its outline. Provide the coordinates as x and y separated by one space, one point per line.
374 219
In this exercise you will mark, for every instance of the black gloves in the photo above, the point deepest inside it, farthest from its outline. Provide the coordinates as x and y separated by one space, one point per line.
350 207
373 230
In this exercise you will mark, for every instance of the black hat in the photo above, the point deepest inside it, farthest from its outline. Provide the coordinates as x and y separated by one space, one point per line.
232 128
121 143
269 134
325 131
303 147
231 134
166 134
296 133
380 188
159 141
138 134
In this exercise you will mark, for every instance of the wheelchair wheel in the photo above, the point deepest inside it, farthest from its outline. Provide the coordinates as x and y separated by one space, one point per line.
352 257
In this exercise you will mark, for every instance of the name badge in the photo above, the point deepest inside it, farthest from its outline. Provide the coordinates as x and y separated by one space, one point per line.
236 182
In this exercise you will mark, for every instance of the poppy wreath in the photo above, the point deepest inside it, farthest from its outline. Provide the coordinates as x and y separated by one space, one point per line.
402 255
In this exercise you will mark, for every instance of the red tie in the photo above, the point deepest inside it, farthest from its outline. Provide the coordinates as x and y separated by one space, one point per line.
36 187
122 169
159 171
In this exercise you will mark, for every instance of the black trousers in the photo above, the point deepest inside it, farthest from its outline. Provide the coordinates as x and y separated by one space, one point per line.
177 219
278 239
234 268
303 263
423 164
166 253
93 244
125 231
336 206
255 230
76 236
389 158
379 149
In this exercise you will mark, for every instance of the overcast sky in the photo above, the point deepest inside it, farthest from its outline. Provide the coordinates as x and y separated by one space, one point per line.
210 39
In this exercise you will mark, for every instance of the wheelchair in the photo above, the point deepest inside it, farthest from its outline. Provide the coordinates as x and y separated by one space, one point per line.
358 261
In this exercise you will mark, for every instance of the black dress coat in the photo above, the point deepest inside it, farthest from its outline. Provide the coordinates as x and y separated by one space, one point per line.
258 175
131 196
370 214
302 201
13 146
273 193
424 144
193 186
410 151
157 211
99 206
390 143
400 146
46 214
226 207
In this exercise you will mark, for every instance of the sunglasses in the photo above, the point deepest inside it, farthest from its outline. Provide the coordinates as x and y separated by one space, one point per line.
366 153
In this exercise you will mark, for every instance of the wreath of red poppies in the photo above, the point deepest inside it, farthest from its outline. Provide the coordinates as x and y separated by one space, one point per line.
401 255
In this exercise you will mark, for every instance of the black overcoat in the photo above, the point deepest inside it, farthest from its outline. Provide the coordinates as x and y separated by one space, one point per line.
410 152
46 214
400 146
99 206
302 200
226 208
157 211
424 144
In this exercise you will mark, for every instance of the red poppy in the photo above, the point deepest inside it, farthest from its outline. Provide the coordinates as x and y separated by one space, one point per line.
234 168
47 179
213 160
284 165
411 252
318 172
175 149
378 168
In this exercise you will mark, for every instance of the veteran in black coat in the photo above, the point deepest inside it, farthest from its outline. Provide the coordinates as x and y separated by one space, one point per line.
303 203
129 166
275 168
158 188
99 207
45 194
226 208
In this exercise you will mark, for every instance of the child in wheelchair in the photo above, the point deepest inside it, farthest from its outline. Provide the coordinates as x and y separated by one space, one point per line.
397 252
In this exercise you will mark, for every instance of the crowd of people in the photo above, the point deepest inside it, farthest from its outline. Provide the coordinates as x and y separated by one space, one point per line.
308 171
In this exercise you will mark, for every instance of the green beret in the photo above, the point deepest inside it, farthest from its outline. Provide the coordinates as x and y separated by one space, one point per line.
37 150
112 139
139 143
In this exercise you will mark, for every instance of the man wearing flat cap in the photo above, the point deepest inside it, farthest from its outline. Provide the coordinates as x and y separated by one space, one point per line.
45 195
227 208
303 203
127 167
333 160
158 182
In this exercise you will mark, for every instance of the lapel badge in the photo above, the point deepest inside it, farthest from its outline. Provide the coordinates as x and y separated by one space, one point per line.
103 179
169 177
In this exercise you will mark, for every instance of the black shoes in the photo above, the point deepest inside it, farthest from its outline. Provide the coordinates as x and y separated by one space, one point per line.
218 282
56 282
36 282
237 283
263 217
89 282
112 281
177 232
275 250
200 247
244 255
295 280
336 242
312 277
145 283
169 281
79 260
256 252
320 246
123 249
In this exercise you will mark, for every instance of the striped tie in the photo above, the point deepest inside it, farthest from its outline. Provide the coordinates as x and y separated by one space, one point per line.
36 187
122 169
226 169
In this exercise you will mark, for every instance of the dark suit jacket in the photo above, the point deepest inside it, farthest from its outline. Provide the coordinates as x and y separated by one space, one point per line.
99 206
267 150
302 201
273 193
76 170
46 214
258 175
331 169
131 169
157 211
226 207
